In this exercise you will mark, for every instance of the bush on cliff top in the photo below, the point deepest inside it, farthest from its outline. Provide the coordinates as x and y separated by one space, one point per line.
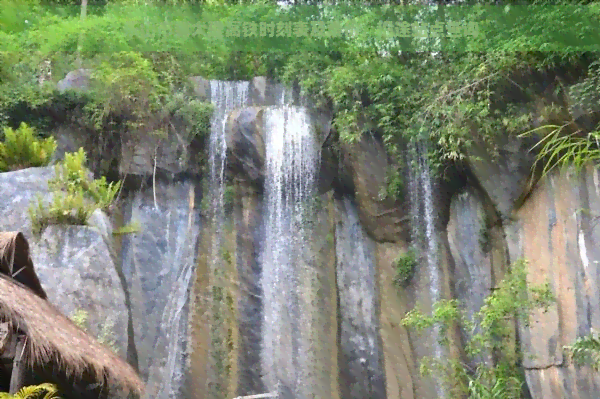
22 149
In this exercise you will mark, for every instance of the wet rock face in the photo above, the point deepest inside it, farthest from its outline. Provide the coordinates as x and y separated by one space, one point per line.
158 265
246 145
360 358
558 237
386 220
76 268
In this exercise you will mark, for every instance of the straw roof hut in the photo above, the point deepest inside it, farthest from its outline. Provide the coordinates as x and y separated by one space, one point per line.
15 261
39 344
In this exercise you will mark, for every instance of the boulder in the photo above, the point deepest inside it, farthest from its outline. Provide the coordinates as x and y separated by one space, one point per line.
76 269
78 79
246 144
507 177
386 220
18 190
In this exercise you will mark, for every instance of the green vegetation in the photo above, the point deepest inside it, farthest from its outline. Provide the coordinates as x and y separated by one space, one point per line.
106 335
42 391
406 265
23 149
130 228
451 98
75 195
394 187
491 332
585 350
484 233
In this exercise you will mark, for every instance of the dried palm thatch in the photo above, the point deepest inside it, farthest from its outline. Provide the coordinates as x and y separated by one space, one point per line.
53 339
15 261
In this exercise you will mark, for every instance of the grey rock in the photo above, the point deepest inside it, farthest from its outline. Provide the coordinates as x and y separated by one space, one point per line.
468 237
158 265
506 179
246 145
200 87
358 304
100 222
264 92
75 267
171 155
18 190
78 79
368 163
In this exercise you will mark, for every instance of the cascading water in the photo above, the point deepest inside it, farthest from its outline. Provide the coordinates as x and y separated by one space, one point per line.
226 96
291 166
423 232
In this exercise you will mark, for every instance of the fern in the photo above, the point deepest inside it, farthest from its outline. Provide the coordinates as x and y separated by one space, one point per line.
557 149
22 149
76 195
42 391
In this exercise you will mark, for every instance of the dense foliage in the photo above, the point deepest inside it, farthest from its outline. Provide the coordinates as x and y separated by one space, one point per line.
491 336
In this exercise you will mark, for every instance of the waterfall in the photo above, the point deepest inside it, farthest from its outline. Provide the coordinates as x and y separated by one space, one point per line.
226 96
291 166
424 234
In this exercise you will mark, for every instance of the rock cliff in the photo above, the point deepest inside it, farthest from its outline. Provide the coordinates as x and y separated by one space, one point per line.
157 291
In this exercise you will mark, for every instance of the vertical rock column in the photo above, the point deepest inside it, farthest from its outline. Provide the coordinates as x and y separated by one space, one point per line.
360 357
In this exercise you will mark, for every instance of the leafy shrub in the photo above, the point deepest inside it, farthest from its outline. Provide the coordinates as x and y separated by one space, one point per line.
405 267
492 332
124 85
585 350
76 195
22 149
195 114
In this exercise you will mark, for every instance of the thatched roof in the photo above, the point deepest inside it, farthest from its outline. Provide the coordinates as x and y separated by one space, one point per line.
54 339
15 261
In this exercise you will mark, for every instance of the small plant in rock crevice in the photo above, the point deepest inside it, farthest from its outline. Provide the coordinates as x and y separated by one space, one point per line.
106 336
406 265
585 350
75 195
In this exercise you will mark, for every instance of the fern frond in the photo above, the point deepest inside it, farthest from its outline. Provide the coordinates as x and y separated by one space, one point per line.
42 391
